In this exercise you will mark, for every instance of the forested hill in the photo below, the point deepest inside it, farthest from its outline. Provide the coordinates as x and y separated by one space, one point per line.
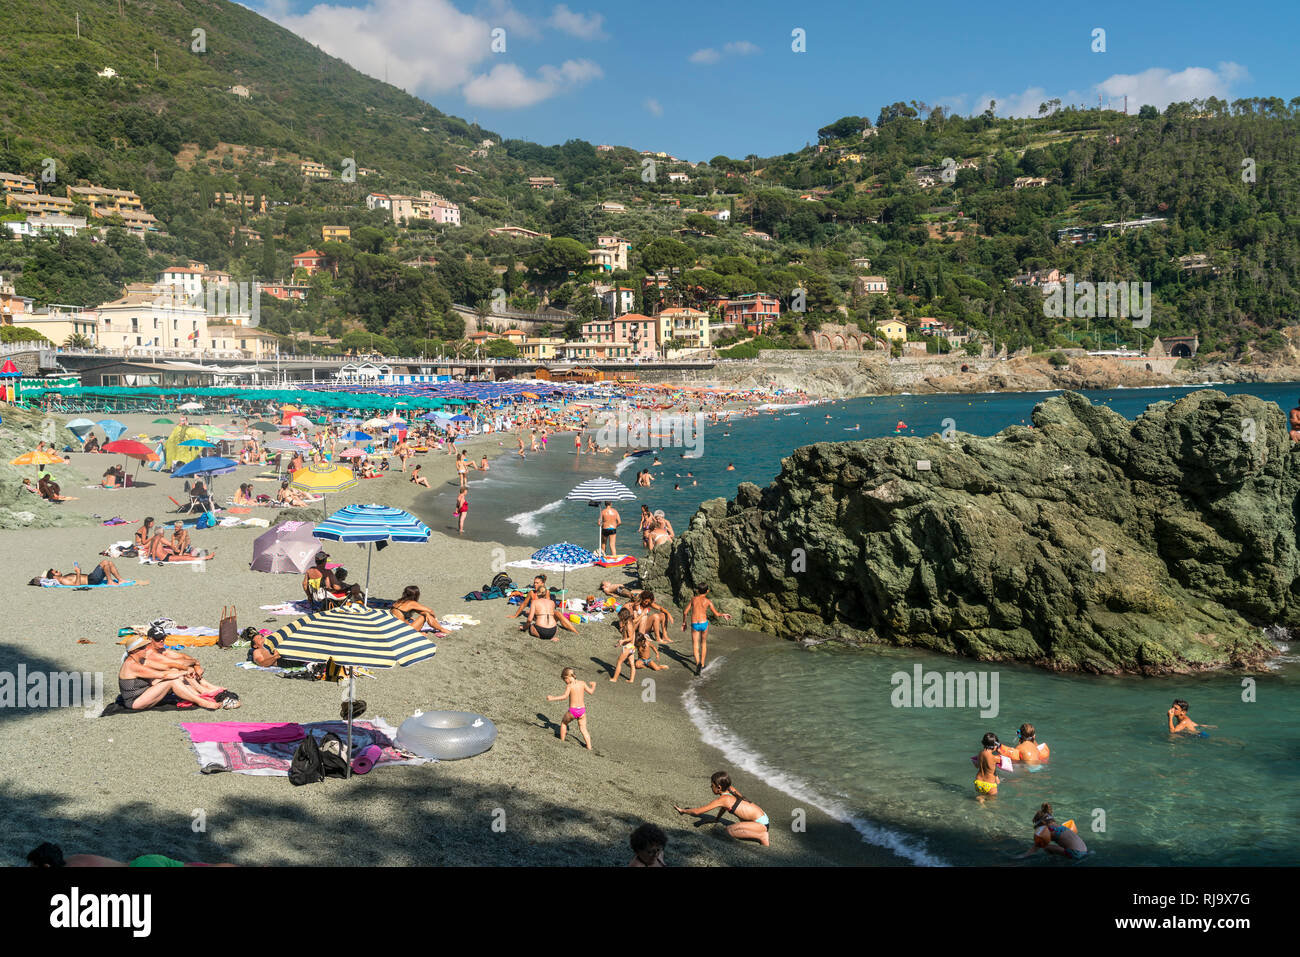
947 209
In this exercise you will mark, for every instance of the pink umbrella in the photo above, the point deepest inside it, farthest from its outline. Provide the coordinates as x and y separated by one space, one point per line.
353 453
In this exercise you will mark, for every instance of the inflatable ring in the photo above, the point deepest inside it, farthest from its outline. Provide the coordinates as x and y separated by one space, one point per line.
446 735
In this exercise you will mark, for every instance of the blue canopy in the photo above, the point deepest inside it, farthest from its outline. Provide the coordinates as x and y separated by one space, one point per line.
372 523
112 428
205 465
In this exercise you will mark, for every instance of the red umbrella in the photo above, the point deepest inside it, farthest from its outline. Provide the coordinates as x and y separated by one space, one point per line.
133 448
136 450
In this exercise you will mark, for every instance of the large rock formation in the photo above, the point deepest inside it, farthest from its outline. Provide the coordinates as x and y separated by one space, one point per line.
1087 542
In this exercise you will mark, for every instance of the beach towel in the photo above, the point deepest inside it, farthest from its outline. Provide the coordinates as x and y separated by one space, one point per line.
48 583
619 560
178 641
548 566
250 732
273 758
271 669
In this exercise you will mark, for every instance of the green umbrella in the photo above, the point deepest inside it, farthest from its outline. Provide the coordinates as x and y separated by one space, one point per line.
162 422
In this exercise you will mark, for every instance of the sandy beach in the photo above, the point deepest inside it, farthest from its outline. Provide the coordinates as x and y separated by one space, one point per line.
128 785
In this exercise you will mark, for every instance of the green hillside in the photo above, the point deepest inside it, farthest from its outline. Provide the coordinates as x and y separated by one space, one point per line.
947 237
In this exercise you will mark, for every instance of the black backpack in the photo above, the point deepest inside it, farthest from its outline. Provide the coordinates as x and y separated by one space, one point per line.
315 761
305 768
501 580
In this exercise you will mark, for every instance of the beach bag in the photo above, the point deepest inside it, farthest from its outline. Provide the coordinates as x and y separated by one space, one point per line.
502 581
228 629
305 768
333 756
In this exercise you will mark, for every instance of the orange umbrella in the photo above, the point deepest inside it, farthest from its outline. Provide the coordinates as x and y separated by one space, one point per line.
37 457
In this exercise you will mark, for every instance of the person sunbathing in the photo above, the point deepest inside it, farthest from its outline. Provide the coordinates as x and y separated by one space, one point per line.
105 571
29 487
143 685
409 610
290 496
181 540
114 477
50 491
321 584
92 445
245 495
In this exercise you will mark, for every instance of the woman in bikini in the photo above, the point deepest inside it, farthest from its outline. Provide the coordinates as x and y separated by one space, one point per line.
409 609
462 509
543 621
647 522
143 685
144 534
462 469
751 823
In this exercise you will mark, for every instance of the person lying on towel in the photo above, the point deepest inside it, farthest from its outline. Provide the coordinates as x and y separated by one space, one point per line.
103 573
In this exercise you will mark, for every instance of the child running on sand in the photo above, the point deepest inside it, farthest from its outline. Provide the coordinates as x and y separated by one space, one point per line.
697 613
1056 838
575 691
1180 723
986 779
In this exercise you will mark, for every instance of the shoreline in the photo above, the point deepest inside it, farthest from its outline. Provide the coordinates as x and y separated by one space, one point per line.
130 784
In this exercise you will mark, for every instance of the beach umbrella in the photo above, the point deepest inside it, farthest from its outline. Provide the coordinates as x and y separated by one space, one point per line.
300 422
79 427
265 427
112 428
133 449
37 457
288 547
355 436
324 479
198 444
601 489
461 418
374 424
162 422
352 453
370 524
356 637
190 406
567 555
209 465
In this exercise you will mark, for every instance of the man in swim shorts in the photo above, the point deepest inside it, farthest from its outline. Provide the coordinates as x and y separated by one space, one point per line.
609 523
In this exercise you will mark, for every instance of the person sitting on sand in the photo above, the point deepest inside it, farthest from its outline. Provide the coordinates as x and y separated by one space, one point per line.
104 572
50 491
538 587
644 648
483 464
92 445
144 534
320 583
114 477
181 539
543 620
290 496
1180 723
142 685
648 842
1055 838
409 610
417 478
158 655
29 486
575 691
986 778
646 604
1027 749
245 495
751 821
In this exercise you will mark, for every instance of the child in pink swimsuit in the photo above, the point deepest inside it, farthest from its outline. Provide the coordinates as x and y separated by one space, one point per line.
575 691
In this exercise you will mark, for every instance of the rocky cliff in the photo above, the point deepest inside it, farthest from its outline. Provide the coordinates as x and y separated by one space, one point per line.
1087 542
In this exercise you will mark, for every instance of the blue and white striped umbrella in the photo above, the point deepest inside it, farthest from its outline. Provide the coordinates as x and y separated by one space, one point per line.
372 523
600 490
368 524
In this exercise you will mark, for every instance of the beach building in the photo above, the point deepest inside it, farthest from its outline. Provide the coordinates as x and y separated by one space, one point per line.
689 326
755 310
59 323
893 329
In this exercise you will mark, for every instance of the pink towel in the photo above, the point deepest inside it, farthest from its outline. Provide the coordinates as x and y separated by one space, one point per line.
249 732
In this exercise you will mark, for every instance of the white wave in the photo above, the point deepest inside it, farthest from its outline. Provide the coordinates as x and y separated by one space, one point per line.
713 732
526 522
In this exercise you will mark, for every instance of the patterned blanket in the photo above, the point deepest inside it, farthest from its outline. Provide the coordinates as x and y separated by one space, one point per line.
273 757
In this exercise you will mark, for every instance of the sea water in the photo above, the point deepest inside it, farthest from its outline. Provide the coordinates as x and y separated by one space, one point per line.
822 724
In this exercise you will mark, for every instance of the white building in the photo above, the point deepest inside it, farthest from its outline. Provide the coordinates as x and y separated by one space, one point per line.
618 246
40 225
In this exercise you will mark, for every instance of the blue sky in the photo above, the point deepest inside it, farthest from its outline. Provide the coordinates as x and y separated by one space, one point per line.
698 79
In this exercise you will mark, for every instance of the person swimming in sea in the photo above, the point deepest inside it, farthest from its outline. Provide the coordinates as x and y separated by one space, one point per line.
1027 748
1056 838
986 778
1180 723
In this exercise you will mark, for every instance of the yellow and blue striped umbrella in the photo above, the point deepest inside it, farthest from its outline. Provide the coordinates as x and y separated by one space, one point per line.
354 636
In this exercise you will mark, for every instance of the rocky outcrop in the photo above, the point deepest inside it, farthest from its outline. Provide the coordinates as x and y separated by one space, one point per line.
1087 542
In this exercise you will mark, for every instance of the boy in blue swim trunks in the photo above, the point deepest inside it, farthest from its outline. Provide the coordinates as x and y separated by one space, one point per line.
696 614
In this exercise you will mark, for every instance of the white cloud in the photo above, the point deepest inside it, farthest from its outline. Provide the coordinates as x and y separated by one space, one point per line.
1156 86
431 47
586 26
653 106
709 55
425 45
507 87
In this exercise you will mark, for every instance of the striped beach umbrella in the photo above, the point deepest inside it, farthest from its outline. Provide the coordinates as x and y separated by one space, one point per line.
369 524
354 636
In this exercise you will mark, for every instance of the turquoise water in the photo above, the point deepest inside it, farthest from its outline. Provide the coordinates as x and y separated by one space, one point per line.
820 723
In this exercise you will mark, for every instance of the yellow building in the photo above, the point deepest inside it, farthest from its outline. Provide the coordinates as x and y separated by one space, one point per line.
893 330
335 233
540 348
689 325
38 204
